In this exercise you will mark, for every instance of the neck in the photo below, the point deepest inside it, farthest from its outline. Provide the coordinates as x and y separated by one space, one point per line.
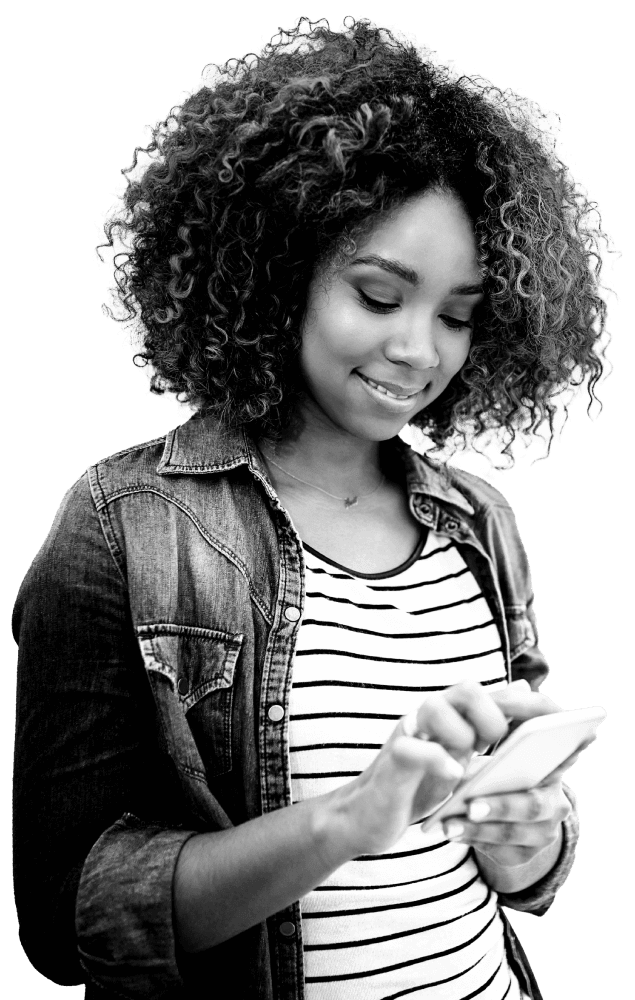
325 455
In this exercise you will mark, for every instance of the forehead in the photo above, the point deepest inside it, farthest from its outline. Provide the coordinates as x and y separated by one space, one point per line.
431 234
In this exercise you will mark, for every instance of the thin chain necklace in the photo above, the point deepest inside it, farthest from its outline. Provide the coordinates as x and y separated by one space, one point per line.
347 501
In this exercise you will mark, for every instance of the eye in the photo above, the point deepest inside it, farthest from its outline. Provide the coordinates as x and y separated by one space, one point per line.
457 324
374 304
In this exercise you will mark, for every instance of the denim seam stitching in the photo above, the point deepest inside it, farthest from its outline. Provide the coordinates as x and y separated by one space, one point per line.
116 555
133 448
171 628
225 466
232 642
192 772
130 490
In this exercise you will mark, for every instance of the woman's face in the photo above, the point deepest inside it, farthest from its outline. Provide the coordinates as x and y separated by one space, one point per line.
383 336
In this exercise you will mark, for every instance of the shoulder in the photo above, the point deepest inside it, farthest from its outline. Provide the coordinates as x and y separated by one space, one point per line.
123 469
484 509
481 494
493 520
200 446
78 510
450 483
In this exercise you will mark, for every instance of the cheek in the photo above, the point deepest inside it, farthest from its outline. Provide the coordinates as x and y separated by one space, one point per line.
456 353
334 335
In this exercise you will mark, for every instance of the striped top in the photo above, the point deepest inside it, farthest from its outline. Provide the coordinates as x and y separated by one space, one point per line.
417 920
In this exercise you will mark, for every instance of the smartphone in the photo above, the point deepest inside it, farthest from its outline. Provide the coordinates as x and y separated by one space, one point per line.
536 748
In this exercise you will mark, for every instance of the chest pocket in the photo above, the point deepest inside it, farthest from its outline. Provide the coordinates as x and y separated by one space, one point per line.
191 671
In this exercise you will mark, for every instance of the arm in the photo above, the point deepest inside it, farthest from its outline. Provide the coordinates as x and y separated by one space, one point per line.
534 886
227 881
525 876
86 755
525 846
108 859
106 895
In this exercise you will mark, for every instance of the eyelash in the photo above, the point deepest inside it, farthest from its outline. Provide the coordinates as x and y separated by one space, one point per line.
380 307
386 307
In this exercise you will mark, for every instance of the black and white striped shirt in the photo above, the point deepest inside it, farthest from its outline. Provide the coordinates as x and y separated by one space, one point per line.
416 921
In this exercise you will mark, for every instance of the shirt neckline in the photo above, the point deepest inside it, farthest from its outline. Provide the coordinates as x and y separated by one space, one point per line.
412 558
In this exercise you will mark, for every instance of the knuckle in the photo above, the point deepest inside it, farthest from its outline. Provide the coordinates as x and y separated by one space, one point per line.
471 690
463 740
546 833
508 833
534 805
503 807
526 853
434 705
468 687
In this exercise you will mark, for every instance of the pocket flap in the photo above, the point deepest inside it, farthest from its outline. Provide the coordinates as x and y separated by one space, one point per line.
196 661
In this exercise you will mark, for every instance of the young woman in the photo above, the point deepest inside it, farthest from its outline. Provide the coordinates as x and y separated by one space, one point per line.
256 652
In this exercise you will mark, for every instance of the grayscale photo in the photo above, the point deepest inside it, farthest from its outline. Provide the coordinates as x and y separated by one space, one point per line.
319 579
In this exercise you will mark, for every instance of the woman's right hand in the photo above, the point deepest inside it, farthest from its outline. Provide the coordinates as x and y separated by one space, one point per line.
229 880
412 775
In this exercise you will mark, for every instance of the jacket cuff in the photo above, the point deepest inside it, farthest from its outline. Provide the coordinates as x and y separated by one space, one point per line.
123 914
537 898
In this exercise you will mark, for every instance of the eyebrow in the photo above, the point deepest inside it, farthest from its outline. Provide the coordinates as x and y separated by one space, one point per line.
407 273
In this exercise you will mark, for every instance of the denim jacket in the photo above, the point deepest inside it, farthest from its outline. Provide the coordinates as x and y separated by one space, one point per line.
157 628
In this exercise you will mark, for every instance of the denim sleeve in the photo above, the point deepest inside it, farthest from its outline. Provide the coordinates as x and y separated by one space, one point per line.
97 807
531 666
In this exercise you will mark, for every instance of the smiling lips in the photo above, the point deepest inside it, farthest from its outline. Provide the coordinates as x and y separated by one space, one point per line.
390 389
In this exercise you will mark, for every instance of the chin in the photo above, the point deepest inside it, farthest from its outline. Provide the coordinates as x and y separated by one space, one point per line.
377 430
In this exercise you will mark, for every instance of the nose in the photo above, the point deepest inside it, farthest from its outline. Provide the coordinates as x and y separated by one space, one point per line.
413 344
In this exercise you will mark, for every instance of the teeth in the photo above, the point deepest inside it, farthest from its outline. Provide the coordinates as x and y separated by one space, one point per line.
384 390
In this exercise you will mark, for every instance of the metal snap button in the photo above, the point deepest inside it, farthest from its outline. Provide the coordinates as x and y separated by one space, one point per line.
287 928
183 686
276 713
291 614
451 525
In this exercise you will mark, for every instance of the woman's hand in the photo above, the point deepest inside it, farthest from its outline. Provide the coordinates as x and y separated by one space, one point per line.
516 835
412 775
512 828
229 880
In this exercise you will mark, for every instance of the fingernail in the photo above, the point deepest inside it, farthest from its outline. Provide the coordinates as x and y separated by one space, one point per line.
478 810
454 830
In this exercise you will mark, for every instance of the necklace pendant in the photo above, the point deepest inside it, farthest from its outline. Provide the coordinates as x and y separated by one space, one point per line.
350 502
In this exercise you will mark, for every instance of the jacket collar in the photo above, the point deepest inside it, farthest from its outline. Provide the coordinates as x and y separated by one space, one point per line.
201 446
426 477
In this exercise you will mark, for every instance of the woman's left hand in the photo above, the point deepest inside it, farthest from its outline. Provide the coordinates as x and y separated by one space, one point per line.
512 828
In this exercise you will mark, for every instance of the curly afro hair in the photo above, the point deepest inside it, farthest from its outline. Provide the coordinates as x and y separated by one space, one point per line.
285 161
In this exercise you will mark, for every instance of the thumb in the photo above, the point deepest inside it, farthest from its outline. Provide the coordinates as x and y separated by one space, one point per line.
414 753
426 772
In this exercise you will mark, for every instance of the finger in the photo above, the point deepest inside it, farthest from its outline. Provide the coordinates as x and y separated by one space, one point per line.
415 759
423 770
517 701
469 710
535 835
533 806
441 722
